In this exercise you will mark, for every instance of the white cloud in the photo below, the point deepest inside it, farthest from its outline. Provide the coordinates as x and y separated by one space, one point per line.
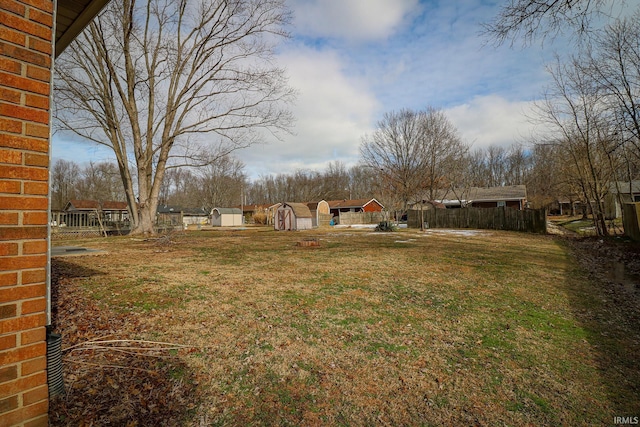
72 148
350 19
353 60
492 120
440 60
332 113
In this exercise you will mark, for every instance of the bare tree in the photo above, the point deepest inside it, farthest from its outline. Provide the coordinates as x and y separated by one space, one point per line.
64 183
614 62
474 170
180 188
576 114
496 164
532 19
543 178
335 182
412 153
361 182
222 183
518 165
395 153
164 80
443 149
101 182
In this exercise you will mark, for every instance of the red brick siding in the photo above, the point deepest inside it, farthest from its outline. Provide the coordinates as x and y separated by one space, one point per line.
25 72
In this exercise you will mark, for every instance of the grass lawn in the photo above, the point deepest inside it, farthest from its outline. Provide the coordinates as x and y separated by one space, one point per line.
404 328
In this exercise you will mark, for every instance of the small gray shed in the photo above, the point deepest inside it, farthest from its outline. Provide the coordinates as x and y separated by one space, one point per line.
226 217
293 216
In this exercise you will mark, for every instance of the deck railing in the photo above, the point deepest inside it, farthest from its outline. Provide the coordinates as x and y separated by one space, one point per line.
103 223
89 222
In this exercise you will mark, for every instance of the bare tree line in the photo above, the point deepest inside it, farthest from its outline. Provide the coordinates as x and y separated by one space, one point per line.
93 181
591 112
222 183
226 183
336 182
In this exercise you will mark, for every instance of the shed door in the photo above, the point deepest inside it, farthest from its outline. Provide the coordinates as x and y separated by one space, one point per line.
284 219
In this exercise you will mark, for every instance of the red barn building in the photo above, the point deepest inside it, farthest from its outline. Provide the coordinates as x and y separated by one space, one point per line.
359 205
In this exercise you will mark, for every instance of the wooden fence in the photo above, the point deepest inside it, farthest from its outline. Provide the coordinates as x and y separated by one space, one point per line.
503 218
631 220
324 220
353 218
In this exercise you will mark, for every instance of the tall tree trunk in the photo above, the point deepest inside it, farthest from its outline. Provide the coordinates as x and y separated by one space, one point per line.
146 220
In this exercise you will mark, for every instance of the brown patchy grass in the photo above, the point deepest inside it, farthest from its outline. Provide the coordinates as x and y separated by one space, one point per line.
375 328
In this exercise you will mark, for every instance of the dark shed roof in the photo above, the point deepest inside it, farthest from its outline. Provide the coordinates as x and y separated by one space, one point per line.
299 209
228 211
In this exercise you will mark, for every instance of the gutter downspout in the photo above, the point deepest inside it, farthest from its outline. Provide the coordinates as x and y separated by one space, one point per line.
53 61
55 379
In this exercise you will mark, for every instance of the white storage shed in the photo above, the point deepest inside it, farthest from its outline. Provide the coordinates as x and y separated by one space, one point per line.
226 217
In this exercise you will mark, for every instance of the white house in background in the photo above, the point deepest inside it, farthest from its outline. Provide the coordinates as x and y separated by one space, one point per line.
511 196
226 217
195 216
629 192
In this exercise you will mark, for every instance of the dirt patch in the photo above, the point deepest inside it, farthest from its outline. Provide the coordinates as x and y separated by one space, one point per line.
557 230
613 263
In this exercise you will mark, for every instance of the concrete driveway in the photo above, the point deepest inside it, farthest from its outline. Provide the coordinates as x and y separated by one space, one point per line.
57 251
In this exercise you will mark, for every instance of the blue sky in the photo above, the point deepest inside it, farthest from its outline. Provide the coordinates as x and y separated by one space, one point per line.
353 60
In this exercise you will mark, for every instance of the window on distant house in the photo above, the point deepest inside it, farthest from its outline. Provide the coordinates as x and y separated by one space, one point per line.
502 204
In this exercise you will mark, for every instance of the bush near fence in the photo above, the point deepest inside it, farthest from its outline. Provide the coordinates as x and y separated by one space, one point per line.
503 218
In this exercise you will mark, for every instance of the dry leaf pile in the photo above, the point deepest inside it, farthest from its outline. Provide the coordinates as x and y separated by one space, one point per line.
111 378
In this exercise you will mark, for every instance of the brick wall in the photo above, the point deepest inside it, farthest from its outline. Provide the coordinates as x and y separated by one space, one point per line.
25 70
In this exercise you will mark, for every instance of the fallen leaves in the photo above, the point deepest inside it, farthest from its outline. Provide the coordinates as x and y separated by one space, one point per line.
111 378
